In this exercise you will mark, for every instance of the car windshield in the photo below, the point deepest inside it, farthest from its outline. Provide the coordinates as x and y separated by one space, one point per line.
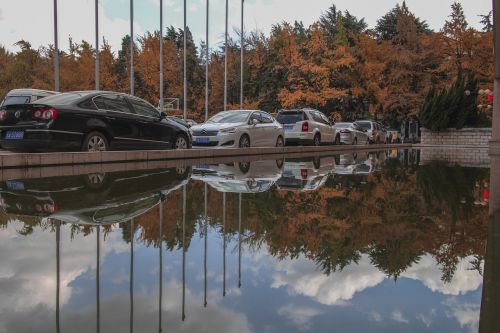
10 100
231 117
290 117
62 99
343 125
364 124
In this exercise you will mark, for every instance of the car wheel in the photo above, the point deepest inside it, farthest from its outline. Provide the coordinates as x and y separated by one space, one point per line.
244 166
279 163
317 140
244 141
355 141
95 141
95 181
317 162
181 142
279 142
337 140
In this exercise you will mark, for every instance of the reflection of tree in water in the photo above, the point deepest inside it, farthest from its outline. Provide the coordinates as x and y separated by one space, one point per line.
394 257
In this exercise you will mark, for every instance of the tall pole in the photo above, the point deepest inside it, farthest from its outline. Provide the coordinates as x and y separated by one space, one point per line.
226 52
98 282
206 244
56 51
185 62
224 243
160 305
132 82
132 276
207 61
161 55
97 77
242 50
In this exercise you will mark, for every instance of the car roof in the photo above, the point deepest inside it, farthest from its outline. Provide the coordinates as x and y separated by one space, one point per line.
30 91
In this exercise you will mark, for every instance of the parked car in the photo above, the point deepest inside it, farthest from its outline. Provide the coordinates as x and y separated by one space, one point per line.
25 96
351 134
376 132
305 173
89 121
239 128
307 126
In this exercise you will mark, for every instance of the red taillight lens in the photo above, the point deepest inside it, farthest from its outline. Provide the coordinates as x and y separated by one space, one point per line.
305 126
303 173
3 115
45 114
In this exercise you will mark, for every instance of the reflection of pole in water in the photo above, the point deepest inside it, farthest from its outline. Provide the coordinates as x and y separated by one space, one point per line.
184 253
160 206
206 243
224 243
239 240
58 270
98 277
131 275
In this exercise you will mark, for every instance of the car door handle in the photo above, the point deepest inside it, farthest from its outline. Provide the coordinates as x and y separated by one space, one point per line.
110 118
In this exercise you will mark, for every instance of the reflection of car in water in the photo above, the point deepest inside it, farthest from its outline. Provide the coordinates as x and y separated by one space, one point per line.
305 174
102 198
354 163
240 177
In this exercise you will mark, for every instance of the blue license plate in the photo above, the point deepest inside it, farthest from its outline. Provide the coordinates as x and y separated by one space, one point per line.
288 127
202 140
15 185
14 135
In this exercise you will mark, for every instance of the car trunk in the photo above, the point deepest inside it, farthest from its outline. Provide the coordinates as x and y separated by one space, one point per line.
21 114
293 121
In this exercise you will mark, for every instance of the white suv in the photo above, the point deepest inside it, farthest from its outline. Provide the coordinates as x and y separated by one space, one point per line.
306 126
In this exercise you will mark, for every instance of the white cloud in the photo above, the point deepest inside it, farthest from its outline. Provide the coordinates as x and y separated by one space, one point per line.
466 314
300 316
375 316
396 315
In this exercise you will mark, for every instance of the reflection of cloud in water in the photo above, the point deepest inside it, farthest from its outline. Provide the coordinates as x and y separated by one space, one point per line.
300 316
28 273
427 271
301 277
396 315
115 315
466 314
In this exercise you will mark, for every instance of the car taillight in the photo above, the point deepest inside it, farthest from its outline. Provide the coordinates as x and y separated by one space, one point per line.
50 208
344 131
303 173
45 114
305 126
3 115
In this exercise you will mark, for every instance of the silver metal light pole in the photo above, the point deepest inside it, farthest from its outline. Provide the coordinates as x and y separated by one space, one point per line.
206 243
185 63
98 281
242 50
56 51
160 305
207 61
161 55
239 240
97 77
131 276
226 48
184 253
224 243
132 82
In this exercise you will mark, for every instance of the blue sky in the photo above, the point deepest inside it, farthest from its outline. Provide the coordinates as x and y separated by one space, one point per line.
77 20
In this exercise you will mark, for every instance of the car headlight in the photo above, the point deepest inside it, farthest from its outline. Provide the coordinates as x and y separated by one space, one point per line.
228 130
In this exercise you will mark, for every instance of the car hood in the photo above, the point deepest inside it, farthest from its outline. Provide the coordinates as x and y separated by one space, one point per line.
215 126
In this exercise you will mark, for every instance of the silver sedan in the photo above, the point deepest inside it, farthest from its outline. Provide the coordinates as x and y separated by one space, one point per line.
351 134
240 128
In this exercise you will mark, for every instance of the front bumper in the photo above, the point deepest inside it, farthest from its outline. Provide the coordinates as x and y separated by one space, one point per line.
221 140
298 138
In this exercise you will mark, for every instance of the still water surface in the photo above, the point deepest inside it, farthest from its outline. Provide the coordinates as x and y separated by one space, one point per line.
366 242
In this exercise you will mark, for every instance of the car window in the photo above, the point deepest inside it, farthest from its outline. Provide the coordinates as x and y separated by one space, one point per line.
256 115
266 118
143 108
63 99
316 117
290 117
325 119
10 100
364 124
232 117
112 103
87 104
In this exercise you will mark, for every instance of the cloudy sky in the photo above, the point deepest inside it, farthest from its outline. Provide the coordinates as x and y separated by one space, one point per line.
76 16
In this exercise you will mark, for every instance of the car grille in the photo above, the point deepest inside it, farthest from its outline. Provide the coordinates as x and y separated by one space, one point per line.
205 133
206 144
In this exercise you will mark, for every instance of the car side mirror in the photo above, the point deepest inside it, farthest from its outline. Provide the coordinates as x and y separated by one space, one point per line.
163 115
254 121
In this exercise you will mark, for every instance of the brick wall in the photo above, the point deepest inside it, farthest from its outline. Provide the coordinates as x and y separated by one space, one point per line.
453 137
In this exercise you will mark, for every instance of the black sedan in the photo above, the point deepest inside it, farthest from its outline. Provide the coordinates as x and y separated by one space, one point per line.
89 121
